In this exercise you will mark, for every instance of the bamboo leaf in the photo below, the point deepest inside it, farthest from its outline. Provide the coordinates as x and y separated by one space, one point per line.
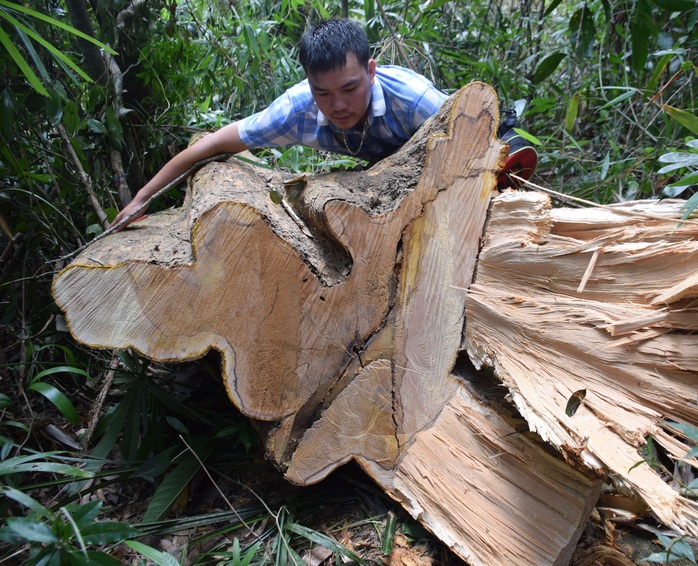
57 23
554 4
547 66
686 119
689 430
629 93
324 540
33 55
46 45
658 70
155 556
61 402
687 181
60 369
529 137
582 31
642 28
572 111
173 485
389 534
22 64
676 5
50 467
83 515
24 499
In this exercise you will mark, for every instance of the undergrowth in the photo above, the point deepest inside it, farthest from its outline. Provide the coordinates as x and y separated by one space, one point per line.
104 455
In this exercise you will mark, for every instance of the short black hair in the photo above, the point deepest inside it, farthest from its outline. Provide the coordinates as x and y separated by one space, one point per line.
324 45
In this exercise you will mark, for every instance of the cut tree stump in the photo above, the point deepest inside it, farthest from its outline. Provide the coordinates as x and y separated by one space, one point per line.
340 315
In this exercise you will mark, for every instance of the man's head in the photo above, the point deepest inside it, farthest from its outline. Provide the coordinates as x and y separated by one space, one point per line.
325 45
334 55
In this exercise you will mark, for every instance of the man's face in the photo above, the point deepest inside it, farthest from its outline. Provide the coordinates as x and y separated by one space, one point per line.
343 95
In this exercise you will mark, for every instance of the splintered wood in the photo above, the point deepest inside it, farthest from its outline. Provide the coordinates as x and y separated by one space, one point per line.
339 316
623 340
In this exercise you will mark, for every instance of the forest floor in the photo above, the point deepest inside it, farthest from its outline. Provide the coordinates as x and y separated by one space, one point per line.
262 507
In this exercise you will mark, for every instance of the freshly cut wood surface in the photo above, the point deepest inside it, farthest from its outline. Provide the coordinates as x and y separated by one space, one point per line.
293 302
511 501
565 304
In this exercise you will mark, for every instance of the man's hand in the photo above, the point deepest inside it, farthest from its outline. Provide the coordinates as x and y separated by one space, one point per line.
129 209
225 140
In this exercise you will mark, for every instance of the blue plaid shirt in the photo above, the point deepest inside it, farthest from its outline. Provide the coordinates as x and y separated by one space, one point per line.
401 100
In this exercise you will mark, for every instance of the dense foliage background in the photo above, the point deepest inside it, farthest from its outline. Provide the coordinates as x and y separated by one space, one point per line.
96 95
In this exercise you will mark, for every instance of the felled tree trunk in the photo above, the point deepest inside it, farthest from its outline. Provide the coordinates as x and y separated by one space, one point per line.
340 319
589 318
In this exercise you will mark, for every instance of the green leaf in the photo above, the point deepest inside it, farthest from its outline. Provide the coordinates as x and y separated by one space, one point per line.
658 70
629 93
54 108
96 126
61 402
107 532
50 48
156 465
28 463
91 558
574 402
686 119
529 137
572 111
60 369
389 534
324 540
582 31
173 485
23 499
680 547
687 181
642 28
547 66
71 118
31 530
114 129
676 5
692 453
5 401
689 430
22 63
57 23
83 515
50 467
661 557
554 4
157 557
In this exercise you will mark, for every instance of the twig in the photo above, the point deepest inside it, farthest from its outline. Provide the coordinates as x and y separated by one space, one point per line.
99 402
405 59
145 205
117 166
84 178
597 205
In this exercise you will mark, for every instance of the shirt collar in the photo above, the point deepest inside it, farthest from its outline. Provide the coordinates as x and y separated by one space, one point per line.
377 105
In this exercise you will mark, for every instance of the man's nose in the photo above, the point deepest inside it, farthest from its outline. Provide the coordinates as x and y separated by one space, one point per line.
339 102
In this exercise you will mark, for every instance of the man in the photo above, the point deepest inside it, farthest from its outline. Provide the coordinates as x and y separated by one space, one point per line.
346 104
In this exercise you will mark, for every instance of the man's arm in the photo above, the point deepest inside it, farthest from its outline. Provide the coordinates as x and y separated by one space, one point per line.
225 140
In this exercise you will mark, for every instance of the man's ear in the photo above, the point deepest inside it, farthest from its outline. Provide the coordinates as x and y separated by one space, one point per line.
372 69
